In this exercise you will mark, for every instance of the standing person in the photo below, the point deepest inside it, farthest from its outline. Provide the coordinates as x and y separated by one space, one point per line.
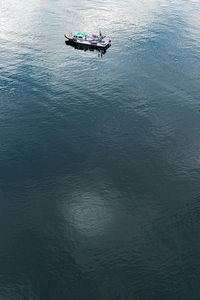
100 34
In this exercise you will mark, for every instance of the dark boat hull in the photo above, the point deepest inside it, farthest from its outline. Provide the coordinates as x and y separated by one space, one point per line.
92 44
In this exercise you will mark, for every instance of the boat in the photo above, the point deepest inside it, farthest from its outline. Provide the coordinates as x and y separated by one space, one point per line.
91 40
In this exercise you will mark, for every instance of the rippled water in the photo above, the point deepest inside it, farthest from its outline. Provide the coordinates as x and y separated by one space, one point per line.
100 154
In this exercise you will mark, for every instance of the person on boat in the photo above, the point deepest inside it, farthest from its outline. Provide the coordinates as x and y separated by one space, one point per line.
100 36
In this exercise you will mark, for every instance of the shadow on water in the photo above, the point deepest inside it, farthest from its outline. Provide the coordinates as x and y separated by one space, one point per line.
87 48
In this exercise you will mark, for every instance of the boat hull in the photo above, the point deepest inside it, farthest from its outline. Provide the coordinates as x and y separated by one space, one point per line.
100 45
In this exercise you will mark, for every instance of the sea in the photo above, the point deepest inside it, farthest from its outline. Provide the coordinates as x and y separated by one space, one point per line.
100 151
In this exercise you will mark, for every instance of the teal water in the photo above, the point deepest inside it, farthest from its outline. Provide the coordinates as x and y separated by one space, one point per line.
100 153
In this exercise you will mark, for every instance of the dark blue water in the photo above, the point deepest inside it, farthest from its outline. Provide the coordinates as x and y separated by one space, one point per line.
100 153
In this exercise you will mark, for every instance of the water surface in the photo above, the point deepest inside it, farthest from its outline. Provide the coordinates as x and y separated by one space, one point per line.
100 154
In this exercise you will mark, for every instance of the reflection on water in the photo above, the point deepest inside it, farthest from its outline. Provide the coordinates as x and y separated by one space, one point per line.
90 214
